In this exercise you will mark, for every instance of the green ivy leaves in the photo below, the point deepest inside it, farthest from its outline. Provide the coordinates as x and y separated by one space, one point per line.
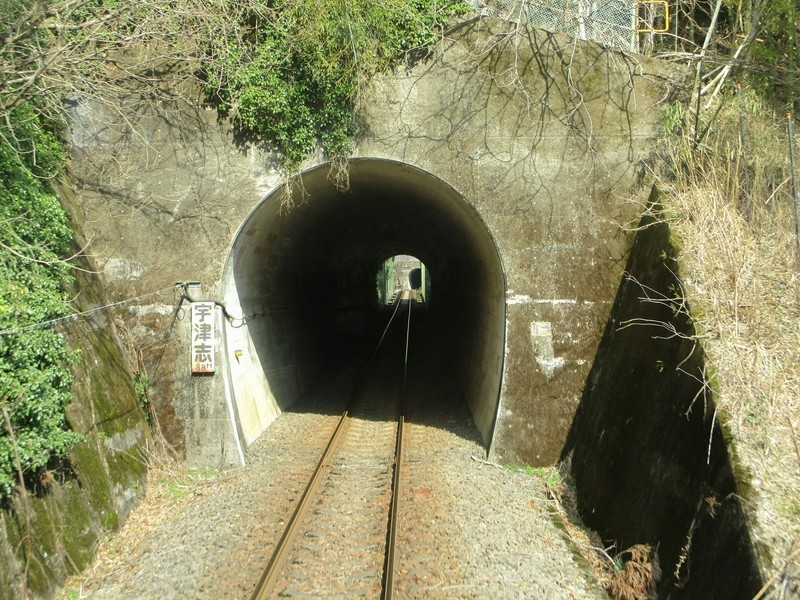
35 377
296 83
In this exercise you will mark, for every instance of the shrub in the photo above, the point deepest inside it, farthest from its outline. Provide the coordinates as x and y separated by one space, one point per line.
34 361
294 81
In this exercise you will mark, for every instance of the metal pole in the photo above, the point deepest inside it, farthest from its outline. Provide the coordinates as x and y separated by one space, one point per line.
794 183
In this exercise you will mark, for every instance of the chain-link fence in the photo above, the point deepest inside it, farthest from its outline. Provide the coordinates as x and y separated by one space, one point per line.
609 22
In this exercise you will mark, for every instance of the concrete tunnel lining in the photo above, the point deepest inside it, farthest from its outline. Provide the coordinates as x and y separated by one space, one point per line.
305 280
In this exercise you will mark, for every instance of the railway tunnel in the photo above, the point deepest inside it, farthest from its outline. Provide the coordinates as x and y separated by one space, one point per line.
305 279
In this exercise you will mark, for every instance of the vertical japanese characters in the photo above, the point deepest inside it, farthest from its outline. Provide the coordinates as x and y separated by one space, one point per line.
203 337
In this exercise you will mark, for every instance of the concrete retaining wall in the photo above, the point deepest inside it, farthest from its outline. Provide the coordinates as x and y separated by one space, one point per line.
543 136
649 457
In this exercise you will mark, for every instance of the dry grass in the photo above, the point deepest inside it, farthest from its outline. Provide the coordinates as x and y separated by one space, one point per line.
741 271
171 488
639 575
632 574
561 492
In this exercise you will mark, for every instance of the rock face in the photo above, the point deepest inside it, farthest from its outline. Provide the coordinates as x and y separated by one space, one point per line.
510 162
52 531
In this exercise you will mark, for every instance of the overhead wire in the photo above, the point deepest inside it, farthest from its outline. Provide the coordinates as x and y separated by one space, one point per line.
70 317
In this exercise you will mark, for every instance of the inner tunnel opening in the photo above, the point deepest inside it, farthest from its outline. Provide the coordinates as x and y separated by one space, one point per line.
314 283
402 272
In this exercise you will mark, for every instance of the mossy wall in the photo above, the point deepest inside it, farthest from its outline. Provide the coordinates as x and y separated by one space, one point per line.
648 454
52 531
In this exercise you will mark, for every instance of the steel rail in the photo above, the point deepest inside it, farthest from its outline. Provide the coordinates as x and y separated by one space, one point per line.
397 304
269 577
394 510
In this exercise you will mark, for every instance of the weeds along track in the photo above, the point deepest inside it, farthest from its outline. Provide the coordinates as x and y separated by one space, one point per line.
339 542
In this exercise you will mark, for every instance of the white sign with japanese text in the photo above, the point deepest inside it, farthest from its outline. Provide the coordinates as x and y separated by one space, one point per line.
203 337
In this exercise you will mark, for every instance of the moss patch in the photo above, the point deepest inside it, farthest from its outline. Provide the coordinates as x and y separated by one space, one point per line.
88 493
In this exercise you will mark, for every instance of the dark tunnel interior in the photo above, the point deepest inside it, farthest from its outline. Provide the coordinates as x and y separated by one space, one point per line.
306 278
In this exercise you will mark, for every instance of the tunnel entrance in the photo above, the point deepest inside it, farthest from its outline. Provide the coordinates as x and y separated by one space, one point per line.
306 281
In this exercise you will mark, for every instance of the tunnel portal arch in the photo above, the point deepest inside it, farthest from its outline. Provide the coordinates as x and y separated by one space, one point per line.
305 281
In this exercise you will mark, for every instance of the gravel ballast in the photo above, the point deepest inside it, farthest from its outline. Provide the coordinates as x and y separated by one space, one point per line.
468 529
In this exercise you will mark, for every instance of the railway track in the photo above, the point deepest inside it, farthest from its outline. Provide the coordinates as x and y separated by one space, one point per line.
353 492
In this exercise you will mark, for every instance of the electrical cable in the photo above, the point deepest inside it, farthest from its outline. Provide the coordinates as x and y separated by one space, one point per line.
184 296
81 314
184 285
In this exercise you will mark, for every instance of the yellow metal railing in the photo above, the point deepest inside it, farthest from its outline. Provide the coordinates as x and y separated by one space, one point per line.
651 5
